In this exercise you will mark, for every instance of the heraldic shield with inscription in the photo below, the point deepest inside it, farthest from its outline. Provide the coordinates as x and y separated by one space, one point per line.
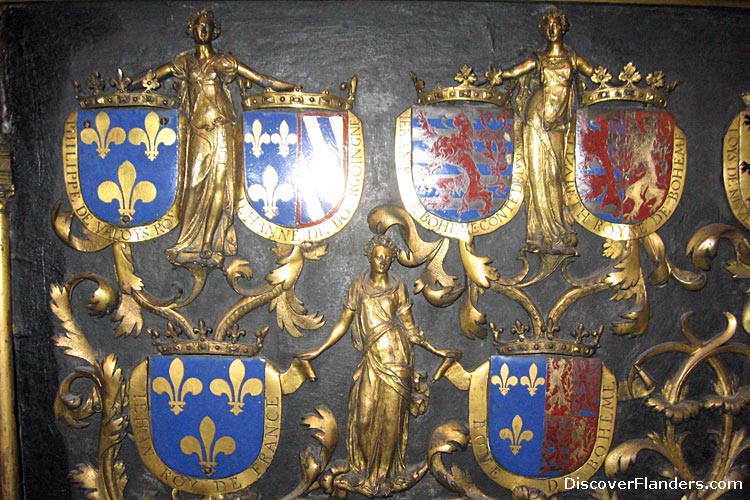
462 159
539 419
206 424
295 165
455 158
624 162
624 176
121 170
304 172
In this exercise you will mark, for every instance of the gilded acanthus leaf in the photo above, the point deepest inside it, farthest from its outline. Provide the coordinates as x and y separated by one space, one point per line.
478 268
291 314
620 459
313 251
324 427
732 404
676 412
86 477
627 271
447 439
703 247
103 300
126 277
120 477
288 271
472 320
238 269
437 286
128 317
72 342
615 249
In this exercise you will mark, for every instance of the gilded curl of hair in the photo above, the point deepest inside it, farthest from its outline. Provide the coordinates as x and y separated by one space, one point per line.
551 15
208 14
381 240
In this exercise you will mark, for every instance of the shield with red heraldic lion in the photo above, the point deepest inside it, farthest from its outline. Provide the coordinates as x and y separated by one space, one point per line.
456 162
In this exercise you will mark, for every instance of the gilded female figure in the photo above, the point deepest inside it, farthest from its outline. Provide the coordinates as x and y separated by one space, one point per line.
547 121
210 170
384 389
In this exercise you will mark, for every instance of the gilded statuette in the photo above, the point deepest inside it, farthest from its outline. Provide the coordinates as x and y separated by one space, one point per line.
386 389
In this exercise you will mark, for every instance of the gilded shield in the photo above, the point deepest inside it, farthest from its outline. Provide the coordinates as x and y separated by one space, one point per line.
737 164
456 165
121 170
304 171
536 420
625 171
206 424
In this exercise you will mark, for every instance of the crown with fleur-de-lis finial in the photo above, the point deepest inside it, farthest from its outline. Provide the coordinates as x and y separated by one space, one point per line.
298 99
174 340
470 88
584 343
121 92
655 93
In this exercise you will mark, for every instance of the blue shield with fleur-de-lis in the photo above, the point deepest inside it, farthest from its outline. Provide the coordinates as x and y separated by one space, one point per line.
303 172
206 424
121 170
538 419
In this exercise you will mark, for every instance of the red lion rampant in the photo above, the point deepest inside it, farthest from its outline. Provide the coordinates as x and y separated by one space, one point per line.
456 149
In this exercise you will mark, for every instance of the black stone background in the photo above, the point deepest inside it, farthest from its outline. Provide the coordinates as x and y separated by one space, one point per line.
319 44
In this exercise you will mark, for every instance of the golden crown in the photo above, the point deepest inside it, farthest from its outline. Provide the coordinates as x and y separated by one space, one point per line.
467 90
299 99
547 340
121 93
656 93
202 341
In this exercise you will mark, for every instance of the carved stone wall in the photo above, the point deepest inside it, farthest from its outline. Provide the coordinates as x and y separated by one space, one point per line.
319 44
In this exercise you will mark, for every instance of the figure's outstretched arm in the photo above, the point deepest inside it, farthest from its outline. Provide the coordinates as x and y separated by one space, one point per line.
339 329
261 79
521 69
584 66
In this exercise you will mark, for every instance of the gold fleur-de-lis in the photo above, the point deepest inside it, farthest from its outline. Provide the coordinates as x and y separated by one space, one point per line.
175 388
103 136
257 138
284 139
127 192
207 450
271 192
532 381
504 381
151 135
240 387
515 435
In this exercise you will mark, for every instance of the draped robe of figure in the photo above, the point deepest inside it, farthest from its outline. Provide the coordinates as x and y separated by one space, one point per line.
549 114
380 396
210 173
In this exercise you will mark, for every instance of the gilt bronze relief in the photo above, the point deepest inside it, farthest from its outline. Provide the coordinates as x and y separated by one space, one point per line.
205 412
204 408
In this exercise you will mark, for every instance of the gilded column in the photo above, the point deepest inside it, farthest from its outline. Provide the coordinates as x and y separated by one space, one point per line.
9 484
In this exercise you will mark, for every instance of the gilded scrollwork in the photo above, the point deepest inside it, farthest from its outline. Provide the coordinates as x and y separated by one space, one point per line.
196 141
108 395
677 404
